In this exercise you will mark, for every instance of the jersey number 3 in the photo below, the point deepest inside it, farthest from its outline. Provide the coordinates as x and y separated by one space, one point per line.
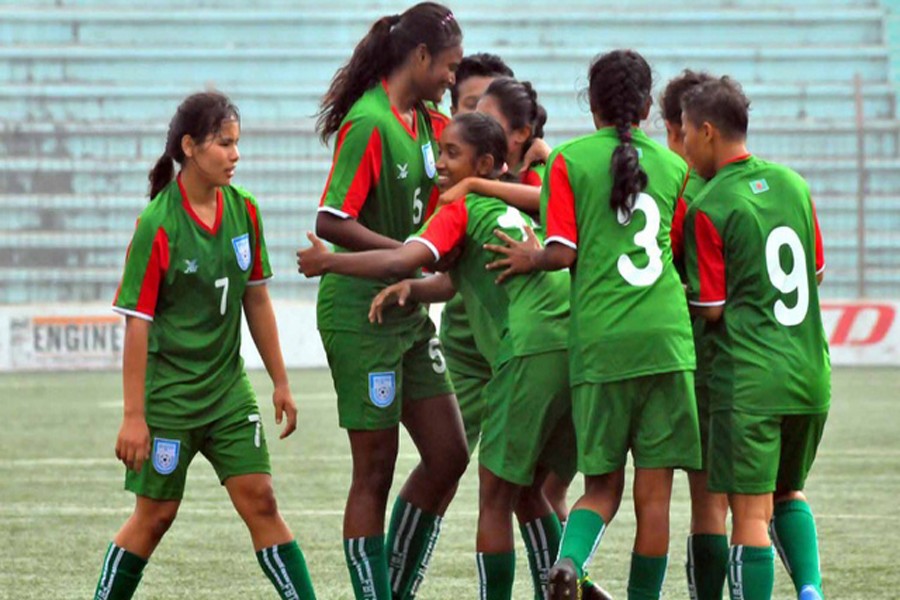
646 239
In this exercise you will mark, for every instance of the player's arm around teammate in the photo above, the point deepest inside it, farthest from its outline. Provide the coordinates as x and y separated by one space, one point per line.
198 254
754 258
631 352
381 187
707 544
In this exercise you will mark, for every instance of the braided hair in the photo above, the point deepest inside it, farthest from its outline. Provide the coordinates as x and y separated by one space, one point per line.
619 90
519 104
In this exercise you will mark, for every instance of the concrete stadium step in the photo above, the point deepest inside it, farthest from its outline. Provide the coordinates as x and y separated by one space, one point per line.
624 27
109 102
306 177
784 138
273 66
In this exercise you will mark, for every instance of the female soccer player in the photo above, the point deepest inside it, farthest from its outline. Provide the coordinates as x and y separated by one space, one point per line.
754 260
197 257
610 201
707 544
520 328
381 188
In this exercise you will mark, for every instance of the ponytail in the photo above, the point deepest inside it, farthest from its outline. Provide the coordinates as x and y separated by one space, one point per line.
161 175
620 83
383 49
518 102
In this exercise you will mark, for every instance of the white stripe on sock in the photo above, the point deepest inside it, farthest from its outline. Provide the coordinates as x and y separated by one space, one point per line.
544 551
593 550
354 562
398 559
271 568
426 559
371 592
102 585
773 533
691 566
113 572
404 555
482 576
290 591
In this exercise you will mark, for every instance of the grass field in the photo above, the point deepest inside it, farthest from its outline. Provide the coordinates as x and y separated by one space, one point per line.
61 500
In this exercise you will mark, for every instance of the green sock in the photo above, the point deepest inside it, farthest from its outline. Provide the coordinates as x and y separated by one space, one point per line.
542 543
751 572
793 530
368 567
412 535
647 575
496 574
285 567
584 530
120 575
706 566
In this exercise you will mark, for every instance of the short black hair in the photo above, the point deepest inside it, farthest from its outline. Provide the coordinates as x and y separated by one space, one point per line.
720 102
670 99
483 64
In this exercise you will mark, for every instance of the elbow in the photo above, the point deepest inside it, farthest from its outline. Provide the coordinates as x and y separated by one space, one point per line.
397 268
711 314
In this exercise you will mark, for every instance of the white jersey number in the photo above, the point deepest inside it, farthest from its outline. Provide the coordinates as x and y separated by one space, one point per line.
787 283
418 207
646 239
223 283
434 351
513 218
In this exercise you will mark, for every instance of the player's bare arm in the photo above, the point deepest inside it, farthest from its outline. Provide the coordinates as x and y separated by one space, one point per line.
264 330
373 264
351 234
435 288
133 442
528 255
520 195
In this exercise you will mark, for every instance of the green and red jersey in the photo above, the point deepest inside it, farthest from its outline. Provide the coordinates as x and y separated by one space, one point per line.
524 316
629 318
189 280
753 246
383 175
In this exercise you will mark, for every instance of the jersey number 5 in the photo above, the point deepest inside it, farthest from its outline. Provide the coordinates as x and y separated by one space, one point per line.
646 239
786 283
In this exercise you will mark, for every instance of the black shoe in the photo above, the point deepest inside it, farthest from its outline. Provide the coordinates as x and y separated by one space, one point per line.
592 591
563 581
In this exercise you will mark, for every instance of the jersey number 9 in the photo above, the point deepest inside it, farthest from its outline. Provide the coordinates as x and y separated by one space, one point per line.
787 283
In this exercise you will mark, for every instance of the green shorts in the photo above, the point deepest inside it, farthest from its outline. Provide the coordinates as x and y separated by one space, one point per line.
234 444
374 375
469 381
525 402
654 416
702 394
761 454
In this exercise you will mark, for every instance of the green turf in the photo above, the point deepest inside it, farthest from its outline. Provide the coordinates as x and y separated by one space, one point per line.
61 500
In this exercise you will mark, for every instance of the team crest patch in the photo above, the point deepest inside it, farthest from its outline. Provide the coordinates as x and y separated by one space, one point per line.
242 250
759 186
165 455
382 388
428 155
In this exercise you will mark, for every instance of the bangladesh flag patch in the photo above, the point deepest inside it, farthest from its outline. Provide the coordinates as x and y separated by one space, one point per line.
759 186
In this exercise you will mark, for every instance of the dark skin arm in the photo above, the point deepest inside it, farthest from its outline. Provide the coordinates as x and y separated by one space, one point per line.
350 234
398 262
437 288
528 255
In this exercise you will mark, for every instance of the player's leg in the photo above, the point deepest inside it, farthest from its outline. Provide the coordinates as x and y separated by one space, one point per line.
541 531
793 527
555 490
158 489
431 416
743 462
496 556
367 374
236 447
652 495
707 545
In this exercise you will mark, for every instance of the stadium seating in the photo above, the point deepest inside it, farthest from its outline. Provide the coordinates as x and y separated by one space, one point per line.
87 88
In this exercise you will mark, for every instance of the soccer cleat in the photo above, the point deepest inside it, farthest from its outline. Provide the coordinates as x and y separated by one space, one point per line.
591 591
808 592
563 581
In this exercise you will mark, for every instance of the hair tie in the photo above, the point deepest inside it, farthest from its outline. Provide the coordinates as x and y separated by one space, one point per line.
447 19
504 168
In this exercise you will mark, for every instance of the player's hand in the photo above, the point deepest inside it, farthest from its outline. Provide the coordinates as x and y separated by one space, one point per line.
133 443
285 405
539 151
311 261
519 256
458 190
397 293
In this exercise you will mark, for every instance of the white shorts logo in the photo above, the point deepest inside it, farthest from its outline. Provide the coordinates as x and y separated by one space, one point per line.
165 455
428 155
242 250
382 388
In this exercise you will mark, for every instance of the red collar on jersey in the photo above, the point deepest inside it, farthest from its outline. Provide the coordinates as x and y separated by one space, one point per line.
737 158
411 131
190 211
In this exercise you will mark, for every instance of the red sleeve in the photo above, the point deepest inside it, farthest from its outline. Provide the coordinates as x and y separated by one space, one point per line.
820 247
445 229
529 177
157 265
439 122
710 262
256 274
561 224
432 202
362 171
677 232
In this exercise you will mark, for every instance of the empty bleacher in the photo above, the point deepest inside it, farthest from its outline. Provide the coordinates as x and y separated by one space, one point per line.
87 88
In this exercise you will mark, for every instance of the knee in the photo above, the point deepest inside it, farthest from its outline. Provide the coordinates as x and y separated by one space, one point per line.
158 520
259 501
450 465
374 478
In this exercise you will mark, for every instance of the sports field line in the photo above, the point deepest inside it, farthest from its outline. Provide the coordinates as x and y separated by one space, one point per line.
299 398
13 463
